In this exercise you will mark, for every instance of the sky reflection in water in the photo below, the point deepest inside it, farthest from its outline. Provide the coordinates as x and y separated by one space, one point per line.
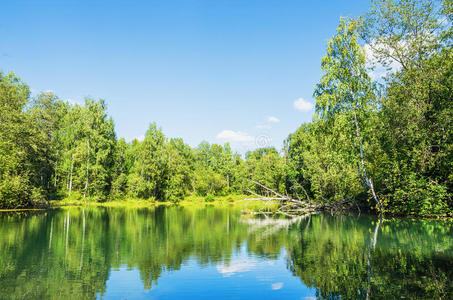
176 253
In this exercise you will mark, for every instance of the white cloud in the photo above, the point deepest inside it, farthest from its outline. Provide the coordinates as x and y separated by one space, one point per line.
235 136
273 119
277 285
236 267
303 105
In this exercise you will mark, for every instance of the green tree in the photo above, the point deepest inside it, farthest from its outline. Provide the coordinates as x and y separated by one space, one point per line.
123 161
21 149
47 113
346 88
180 168
407 32
321 163
88 139
266 166
214 169
149 172
418 139
415 133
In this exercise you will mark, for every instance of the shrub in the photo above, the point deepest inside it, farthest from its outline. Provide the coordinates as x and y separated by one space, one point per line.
15 192
418 196
209 198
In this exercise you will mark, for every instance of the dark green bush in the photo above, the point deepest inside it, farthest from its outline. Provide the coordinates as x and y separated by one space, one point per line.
209 198
15 192
415 195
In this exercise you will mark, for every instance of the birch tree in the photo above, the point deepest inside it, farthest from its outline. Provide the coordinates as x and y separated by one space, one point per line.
346 88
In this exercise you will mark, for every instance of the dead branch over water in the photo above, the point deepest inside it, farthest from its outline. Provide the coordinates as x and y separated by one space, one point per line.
289 206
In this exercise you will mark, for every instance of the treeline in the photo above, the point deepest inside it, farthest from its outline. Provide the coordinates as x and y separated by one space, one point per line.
384 141
51 149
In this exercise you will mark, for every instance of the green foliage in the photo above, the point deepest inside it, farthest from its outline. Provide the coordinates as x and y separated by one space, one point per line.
24 159
209 182
345 86
209 198
149 167
407 32
14 192
418 137
415 195
394 134
74 197
390 139
267 167
321 163
180 168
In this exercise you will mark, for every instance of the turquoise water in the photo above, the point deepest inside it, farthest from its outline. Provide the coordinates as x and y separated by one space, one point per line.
212 253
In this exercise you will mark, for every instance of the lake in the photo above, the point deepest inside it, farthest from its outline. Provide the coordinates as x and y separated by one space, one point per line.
217 253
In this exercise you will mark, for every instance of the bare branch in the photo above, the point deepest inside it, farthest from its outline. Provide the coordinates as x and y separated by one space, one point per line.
289 206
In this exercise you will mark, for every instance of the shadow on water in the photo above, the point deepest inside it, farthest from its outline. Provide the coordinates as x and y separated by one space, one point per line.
72 252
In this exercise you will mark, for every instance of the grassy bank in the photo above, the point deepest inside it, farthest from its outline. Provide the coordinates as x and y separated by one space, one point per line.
235 201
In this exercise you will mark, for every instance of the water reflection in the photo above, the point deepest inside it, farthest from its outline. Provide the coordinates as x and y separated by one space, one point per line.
205 253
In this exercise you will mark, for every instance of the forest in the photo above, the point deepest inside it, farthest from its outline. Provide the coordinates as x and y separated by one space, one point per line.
384 141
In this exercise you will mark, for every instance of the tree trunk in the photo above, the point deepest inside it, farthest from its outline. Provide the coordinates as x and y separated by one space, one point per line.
55 180
70 180
366 182
87 173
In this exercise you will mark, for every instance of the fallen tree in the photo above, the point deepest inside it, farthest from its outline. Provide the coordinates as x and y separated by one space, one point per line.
291 206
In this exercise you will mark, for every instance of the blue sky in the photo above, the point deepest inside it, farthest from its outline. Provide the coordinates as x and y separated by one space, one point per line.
202 70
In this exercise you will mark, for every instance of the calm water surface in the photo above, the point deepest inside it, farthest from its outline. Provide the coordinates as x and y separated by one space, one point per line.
212 253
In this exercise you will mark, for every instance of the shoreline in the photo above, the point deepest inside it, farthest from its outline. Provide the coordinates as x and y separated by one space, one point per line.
232 201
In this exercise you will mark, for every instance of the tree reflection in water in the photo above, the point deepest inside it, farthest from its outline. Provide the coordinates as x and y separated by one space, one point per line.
71 252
